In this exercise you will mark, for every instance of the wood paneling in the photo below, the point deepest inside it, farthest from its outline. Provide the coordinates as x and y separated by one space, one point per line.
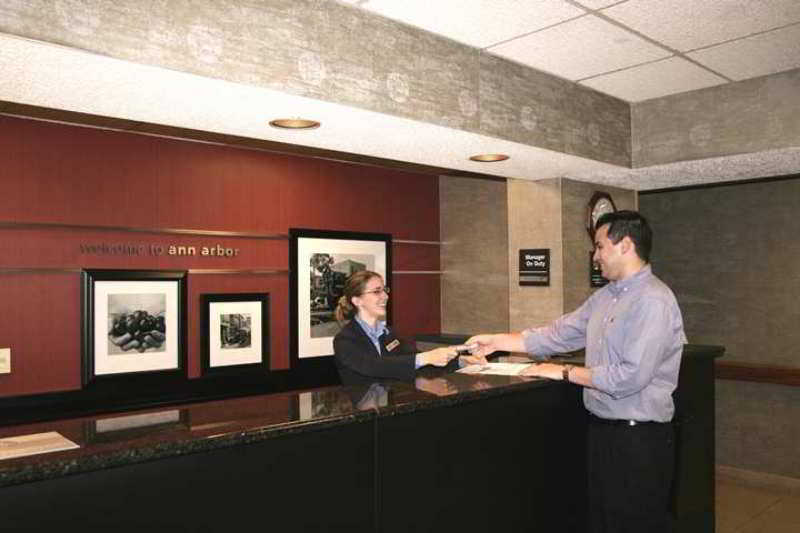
415 256
203 186
278 288
54 173
778 375
415 304
40 323
83 176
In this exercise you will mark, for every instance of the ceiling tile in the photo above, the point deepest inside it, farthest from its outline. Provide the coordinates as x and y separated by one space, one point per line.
580 48
690 24
597 4
766 53
670 76
478 23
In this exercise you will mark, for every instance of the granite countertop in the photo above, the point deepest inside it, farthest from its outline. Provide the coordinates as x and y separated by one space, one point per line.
138 436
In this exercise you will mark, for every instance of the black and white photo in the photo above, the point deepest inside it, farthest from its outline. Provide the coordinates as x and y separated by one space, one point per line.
234 333
320 262
133 323
328 273
137 322
234 330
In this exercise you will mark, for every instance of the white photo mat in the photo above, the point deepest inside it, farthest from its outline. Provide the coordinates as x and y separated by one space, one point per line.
109 364
308 346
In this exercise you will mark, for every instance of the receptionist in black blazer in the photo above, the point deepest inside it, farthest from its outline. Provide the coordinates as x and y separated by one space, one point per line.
366 349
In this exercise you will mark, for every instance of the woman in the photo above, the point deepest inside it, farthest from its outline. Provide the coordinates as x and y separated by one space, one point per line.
365 349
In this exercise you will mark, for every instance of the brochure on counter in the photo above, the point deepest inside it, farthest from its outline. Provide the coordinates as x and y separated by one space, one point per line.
496 369
36 443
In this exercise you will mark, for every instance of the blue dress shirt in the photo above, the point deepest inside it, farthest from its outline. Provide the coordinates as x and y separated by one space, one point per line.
632 330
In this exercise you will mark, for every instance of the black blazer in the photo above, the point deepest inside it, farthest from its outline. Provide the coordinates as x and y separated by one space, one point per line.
358 362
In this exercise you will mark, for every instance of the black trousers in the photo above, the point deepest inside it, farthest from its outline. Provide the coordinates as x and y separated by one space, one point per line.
630 471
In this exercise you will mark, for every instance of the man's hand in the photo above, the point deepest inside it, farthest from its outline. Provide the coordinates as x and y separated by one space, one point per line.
487 344
483 345
544 370
439 356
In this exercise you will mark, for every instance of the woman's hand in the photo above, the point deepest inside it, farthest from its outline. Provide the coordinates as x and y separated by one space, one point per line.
439 356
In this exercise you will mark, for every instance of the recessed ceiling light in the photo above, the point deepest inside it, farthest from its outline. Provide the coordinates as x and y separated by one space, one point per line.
294 123
489 158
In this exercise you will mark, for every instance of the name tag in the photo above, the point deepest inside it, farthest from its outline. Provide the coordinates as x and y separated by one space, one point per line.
392 345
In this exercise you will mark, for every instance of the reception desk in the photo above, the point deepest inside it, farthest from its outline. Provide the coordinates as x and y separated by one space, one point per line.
447 452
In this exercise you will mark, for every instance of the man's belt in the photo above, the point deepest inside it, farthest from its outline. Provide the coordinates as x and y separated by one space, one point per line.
623 422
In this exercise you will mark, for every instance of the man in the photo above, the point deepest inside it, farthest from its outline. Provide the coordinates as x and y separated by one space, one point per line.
632 331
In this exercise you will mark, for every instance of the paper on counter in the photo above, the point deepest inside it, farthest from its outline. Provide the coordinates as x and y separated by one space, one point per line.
496 369
36 443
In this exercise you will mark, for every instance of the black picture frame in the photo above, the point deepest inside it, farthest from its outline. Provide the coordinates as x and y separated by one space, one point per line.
248 341
109 357
308 346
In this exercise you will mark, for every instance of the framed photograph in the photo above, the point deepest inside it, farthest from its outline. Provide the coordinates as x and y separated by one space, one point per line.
235 333
319 263
133 324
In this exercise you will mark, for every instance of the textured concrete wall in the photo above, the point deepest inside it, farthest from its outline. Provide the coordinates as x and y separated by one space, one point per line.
743 117
758 428
577 245
484 224
731 254
338 53
473 216
552 214
534 221
530 107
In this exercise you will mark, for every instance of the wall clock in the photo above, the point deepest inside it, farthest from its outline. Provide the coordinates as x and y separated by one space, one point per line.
600 204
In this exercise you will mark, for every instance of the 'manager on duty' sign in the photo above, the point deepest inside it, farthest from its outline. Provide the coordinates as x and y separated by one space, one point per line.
534 266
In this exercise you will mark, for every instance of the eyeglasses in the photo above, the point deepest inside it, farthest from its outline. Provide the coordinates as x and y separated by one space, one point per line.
376 292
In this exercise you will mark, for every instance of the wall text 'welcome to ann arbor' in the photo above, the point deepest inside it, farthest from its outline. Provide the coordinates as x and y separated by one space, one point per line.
131 249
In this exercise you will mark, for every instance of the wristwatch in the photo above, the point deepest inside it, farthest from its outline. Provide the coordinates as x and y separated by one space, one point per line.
565 372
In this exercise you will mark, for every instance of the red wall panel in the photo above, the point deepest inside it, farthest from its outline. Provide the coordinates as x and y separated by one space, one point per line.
278 288
82 176
416 304
52 173
363 198
415 256
11 206
41 324
65 248
202 186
